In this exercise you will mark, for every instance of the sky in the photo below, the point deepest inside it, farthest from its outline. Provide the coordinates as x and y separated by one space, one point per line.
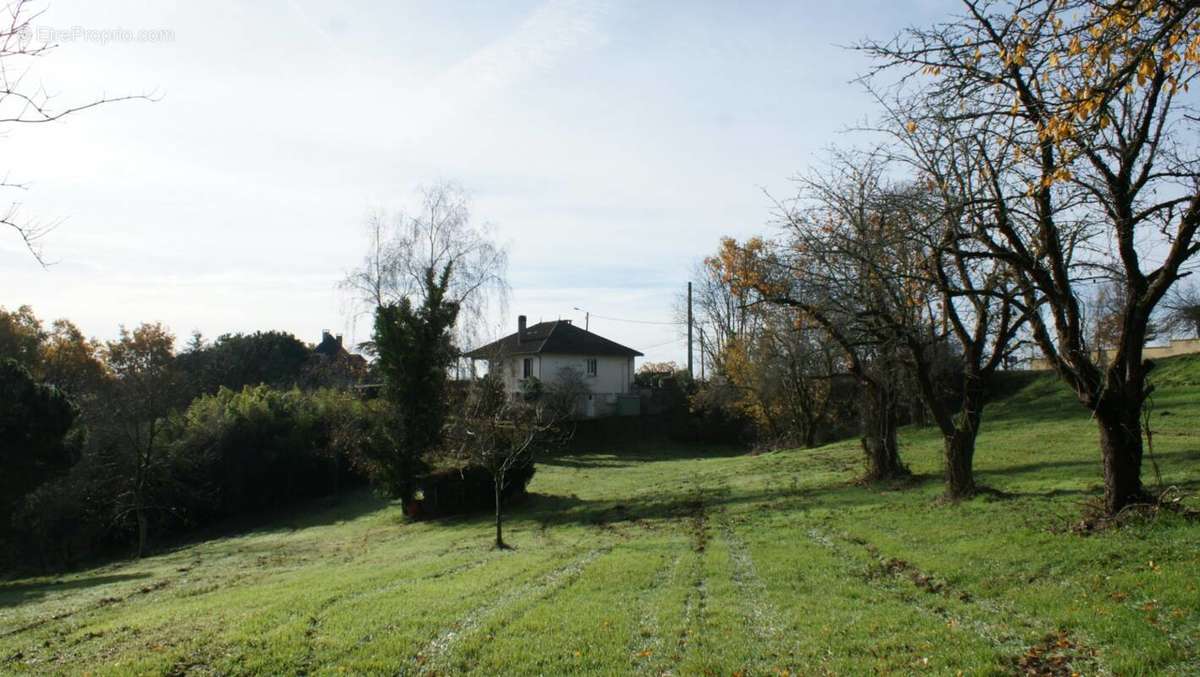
611 144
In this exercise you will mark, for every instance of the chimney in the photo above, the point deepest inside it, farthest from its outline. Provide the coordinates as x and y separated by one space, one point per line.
520 327
339 340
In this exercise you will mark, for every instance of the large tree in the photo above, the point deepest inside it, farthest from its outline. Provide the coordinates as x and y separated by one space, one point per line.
439 235
234 361
975 298
132 428
21 337
1077 111
719 313
71 361
832 292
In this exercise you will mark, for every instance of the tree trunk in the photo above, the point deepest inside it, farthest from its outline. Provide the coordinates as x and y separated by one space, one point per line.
142 529
879 434
810 435
959 444
1121 450
337 472
499 533
959 456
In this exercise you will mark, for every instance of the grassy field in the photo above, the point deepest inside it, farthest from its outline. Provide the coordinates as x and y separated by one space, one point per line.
657 561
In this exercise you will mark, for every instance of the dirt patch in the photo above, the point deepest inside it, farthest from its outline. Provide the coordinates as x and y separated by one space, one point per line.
698 525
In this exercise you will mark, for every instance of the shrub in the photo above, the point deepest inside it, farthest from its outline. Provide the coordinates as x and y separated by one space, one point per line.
228 454
259 447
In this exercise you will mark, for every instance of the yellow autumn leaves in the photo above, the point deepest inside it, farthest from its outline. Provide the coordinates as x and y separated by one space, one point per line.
1066 77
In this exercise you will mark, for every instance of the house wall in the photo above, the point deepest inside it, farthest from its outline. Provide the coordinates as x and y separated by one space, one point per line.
614 376
1175 347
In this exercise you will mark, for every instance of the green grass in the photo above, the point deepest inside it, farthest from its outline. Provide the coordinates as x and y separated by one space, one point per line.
655 561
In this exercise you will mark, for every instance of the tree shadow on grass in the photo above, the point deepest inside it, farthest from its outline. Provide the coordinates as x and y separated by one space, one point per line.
553 510
17 594
304 514
1092 466
607 456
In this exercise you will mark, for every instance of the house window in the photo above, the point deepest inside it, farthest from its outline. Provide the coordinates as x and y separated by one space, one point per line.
528 367
591 366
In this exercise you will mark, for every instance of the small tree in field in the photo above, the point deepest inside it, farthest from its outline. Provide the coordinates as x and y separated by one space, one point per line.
501 433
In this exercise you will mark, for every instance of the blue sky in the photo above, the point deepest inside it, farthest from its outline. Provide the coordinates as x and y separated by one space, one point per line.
610 143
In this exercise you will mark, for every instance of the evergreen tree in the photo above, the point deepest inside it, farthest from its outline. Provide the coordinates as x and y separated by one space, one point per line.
36 438
415 350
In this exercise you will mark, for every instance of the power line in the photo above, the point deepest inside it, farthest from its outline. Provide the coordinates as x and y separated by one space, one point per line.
619 319
664 343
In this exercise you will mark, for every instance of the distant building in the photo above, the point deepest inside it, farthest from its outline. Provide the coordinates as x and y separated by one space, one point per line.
544 350
330 345
333 365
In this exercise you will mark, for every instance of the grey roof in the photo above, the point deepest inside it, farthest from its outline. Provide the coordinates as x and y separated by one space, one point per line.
560 337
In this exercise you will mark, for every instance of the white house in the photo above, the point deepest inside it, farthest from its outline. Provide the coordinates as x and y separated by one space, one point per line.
545 349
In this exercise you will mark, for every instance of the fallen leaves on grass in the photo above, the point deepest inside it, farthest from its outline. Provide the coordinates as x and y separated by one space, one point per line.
1057 655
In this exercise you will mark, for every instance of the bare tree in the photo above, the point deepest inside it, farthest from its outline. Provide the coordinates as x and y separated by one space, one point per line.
720 314
1183 310
438 236
977 301
501 433
1090 152
784 373
828 269
22 102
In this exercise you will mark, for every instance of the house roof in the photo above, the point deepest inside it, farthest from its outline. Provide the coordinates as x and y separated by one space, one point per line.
559 337
330 345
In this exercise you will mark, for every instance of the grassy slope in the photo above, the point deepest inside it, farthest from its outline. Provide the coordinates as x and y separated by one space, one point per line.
678 561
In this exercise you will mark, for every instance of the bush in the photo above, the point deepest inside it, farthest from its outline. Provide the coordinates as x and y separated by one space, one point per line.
228 454
65 521
259 448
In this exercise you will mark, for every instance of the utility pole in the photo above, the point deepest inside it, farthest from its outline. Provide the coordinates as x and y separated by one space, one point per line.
691 372
586 317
